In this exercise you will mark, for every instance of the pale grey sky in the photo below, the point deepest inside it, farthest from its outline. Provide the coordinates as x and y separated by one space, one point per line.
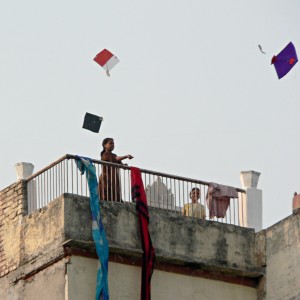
191 96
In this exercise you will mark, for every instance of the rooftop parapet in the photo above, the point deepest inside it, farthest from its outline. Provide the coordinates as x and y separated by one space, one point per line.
64 227
164 191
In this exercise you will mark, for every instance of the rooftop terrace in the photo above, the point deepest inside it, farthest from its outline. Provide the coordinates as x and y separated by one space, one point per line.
164 191
46 221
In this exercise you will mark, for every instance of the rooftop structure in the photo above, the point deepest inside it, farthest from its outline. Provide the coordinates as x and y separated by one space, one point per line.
47 250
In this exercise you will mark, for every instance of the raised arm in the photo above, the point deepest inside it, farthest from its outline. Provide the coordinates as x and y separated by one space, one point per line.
120 158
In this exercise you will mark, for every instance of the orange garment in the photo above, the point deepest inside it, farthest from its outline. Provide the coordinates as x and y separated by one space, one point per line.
109 182
218 199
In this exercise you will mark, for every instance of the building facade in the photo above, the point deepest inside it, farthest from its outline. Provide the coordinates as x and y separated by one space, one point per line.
50 253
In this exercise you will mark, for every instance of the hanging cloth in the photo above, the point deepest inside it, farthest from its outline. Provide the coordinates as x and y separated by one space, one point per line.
218 199
85 165
139 197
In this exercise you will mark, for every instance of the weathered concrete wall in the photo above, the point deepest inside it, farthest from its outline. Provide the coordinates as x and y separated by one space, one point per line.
30 247
12 207
42 232
48 284
125 282
178 239
81 278
283 259
38 240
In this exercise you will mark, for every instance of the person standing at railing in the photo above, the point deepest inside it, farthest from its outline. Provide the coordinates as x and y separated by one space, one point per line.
194 209
109 182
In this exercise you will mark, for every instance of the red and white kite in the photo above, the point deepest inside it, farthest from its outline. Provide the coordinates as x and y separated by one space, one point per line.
106 60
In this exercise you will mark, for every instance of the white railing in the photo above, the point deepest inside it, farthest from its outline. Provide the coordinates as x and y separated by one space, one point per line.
164 191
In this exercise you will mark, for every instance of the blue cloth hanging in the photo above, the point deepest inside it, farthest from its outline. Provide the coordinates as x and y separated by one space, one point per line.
86 166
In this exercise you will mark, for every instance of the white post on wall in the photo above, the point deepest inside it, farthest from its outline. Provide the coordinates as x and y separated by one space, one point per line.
251 206
24 170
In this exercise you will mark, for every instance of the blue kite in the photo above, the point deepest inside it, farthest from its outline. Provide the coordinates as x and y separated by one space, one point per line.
285 60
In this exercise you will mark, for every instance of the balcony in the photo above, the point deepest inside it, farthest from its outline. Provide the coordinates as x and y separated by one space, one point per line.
164 191
46 245
46 237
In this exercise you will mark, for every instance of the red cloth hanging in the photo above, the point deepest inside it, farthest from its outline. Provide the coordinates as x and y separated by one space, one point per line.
139 197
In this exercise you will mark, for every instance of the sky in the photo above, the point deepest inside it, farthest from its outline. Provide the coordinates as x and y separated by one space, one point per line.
192 95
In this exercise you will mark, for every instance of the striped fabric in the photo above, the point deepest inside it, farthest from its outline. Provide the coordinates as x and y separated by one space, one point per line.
139 197
85 166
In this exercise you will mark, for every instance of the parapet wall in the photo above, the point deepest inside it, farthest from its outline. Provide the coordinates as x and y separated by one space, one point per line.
32 244
176 239
282 279
184 241
12 208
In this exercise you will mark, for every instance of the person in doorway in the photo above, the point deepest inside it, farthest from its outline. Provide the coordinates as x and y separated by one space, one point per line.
194 209
109 187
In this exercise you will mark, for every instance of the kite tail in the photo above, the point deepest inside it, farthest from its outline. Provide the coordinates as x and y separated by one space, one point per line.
107 73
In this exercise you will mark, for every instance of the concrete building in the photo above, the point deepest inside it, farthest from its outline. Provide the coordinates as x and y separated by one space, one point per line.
50 254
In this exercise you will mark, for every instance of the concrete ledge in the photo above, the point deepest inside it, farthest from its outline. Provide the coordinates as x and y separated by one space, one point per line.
64 227
180 240
283 259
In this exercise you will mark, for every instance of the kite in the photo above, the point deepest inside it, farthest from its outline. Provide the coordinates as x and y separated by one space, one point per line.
106 60
92 122
261 50
285 60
